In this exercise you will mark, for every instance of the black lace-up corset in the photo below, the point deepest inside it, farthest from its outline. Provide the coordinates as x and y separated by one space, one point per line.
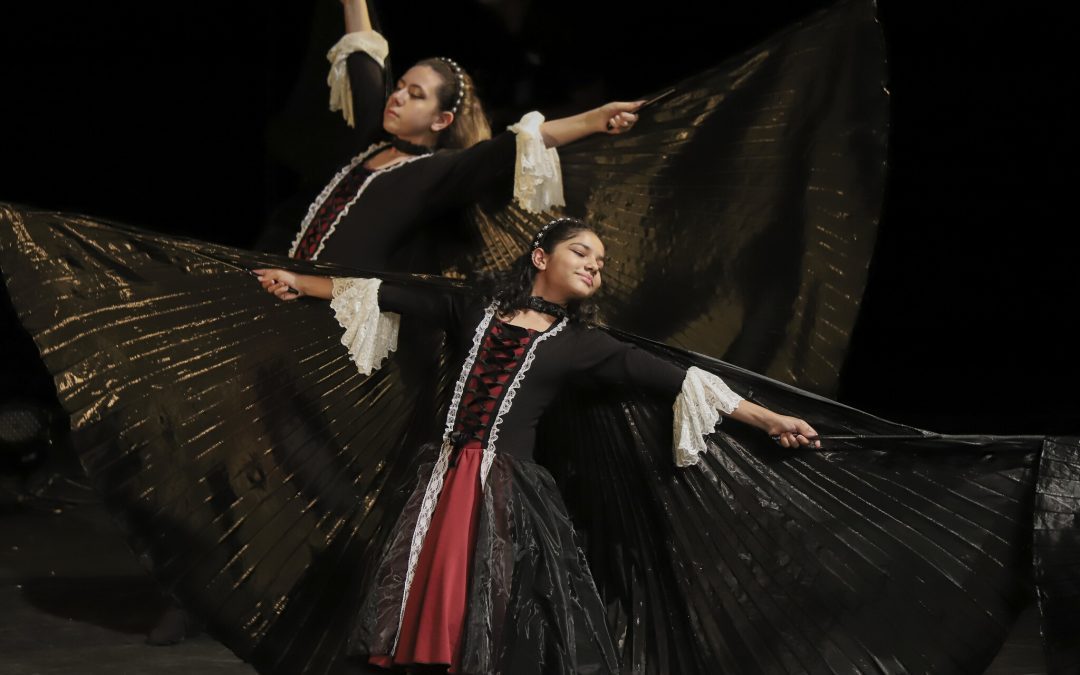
329 211
497 361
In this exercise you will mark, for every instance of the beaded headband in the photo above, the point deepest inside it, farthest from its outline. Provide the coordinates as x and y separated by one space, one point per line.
459 77
544 230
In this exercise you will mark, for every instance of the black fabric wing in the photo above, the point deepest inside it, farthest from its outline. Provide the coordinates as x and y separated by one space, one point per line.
259 474
752 194
902 551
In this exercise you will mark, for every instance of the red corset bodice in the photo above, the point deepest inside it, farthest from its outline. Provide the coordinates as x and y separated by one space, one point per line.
330 210
497 361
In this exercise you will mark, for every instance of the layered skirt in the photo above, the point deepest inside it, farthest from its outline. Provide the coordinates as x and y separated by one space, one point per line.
499 583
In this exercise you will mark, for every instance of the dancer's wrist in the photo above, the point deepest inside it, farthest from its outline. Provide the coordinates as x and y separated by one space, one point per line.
755 415
598 120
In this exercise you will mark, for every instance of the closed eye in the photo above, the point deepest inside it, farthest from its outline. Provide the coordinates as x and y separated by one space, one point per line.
414 90
581 254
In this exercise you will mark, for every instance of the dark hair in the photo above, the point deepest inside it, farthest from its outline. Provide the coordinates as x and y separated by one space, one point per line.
470 126
512 287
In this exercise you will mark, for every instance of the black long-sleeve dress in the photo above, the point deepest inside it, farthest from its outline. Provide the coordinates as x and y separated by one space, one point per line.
398 217
525 601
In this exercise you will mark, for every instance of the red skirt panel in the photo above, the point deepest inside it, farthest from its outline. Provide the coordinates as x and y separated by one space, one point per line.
435 608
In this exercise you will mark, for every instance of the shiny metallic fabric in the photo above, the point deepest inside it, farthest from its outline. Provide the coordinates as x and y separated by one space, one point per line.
741 211
259 474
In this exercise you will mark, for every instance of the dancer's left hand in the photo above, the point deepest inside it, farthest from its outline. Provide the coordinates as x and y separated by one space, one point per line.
619 116
791 432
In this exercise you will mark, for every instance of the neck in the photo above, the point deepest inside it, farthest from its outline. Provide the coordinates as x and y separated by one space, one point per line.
541 306
540 290
425 140
559 303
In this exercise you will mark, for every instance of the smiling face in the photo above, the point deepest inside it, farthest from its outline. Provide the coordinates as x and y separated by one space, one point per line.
413 111
571 271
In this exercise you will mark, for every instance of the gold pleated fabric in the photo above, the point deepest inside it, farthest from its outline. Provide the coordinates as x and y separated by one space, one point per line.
751 195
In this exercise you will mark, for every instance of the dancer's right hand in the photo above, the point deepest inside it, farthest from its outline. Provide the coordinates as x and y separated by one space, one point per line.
280 283
618 116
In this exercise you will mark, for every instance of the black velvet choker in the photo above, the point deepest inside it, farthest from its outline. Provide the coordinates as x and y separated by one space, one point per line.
410 148
539 304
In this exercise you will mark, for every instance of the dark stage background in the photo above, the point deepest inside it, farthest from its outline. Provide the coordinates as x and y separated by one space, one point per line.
209 119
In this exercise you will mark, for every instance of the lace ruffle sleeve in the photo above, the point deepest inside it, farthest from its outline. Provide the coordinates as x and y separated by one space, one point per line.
537 174
368 41
697 411
370 334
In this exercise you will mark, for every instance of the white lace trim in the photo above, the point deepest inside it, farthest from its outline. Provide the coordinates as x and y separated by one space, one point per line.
696 406
367 41
508 399
423 523
317 204
537 172
435 482
370 335
466 368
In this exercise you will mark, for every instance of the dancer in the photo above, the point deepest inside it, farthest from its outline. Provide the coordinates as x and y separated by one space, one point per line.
532 339
388 207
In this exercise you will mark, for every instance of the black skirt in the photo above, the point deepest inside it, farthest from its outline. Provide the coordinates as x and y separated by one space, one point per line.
532 605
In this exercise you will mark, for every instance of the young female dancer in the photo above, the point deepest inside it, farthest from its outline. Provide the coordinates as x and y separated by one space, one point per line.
431 154
484 503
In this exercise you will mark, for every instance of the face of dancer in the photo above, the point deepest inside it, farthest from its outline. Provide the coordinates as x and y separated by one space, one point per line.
571 271
413 112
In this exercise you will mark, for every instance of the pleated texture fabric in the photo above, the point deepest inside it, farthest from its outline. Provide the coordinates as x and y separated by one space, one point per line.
876 556
1057 552
752 193
260 476
255 468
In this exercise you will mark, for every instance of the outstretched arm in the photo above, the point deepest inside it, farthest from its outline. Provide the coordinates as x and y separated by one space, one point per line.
648 370
700 396
790 432
616 117
468 173
427 304
366 309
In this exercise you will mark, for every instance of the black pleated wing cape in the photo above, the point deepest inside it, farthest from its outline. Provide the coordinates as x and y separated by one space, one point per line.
259 475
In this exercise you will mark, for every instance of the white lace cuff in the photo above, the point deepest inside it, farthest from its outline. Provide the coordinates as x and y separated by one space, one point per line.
537 174
370 335
367 41
702 395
